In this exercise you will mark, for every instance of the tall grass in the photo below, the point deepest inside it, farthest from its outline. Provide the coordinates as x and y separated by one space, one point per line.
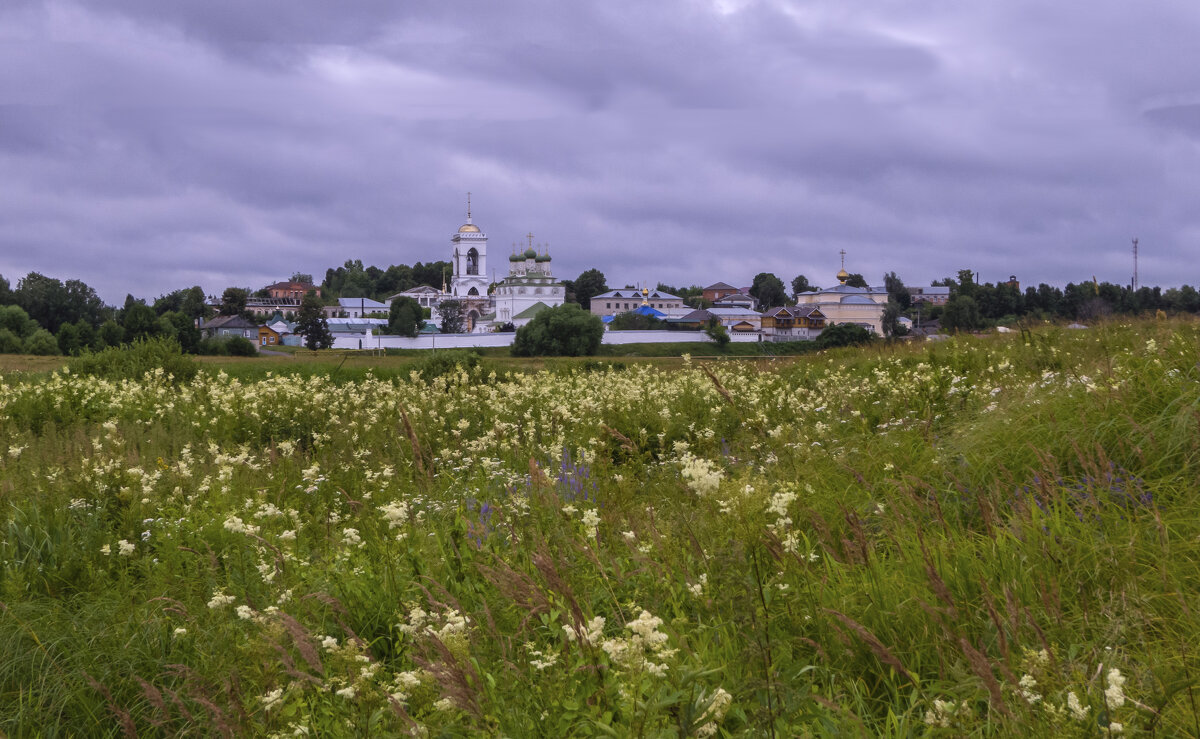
965 538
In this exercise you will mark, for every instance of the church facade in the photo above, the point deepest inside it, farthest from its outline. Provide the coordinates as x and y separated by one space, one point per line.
528 288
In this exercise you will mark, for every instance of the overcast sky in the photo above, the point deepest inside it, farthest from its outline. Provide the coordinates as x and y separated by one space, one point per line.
148 145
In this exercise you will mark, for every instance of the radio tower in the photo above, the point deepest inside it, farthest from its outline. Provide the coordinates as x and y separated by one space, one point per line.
1135 277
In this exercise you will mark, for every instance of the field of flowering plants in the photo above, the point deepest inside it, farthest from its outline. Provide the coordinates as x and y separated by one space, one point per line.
987 537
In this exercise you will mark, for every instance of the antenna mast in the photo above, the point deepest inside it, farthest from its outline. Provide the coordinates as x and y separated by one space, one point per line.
1135 275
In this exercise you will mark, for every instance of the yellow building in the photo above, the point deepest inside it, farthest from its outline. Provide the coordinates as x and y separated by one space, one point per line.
844 304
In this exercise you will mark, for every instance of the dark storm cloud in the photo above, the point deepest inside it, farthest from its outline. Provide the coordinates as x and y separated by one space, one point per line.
148 145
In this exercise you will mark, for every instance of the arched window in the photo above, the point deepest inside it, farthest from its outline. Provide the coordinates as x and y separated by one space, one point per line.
473 291
473 262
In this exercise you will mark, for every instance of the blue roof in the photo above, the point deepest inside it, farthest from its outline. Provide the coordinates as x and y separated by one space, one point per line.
646 310
857 299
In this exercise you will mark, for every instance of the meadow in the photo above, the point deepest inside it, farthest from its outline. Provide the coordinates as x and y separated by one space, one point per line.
993 536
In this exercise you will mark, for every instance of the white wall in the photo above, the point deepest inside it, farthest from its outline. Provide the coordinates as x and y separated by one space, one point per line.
460 341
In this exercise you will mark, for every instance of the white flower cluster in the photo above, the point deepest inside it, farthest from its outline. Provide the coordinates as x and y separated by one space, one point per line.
944 713
591 633
645 644
591 522
717 708
702 476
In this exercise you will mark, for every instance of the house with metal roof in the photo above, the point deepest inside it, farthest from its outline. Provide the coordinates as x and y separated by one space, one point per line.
793 323
622 301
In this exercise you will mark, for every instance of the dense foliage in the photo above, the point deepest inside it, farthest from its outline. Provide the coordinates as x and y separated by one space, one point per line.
564 330
982 537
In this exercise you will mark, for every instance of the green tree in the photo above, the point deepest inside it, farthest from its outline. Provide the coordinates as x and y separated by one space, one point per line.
768 290
588 284
404 318
717 333
842 334
15 319
856 280
891 321
800 285
69 341
139 320
10 343
233 301
897 292
183 328
302 277
311 323
42 342
111 334
454 316
961 313
564 330
6 293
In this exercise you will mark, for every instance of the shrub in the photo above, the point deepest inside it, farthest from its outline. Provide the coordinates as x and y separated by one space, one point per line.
10 343
717 333
445 362
133 361
564 330
240 346
842 334
42 342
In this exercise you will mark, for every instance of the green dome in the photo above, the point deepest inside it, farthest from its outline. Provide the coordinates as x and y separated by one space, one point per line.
542 258
516 258
530 253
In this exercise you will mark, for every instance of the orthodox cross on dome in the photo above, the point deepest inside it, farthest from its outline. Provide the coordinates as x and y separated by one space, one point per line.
530 237
843 253
468 207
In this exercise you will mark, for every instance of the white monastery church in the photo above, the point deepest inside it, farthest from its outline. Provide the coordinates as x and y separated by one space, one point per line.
528 288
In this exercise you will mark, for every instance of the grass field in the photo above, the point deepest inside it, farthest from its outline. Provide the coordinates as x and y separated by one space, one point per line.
983 537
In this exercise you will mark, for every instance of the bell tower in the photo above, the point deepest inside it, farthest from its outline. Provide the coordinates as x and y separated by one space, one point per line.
470 260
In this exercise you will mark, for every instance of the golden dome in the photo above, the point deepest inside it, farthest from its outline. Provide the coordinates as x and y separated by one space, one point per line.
468 228
842 276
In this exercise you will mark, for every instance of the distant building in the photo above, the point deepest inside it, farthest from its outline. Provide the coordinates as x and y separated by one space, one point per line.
226 326
718 290
842 303
935 295
793 323
614 302
357 308
528 289
292 290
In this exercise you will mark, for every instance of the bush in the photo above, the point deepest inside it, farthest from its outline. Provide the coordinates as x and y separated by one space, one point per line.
10 343
445 362
133 361
842 334
240 346
42 342
717 333
227 346
564 330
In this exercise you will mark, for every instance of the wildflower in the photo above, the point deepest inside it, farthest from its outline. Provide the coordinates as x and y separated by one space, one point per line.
1028 683
591 522
220 600
1115 694
589 634
180 631
238 526
715 712
395 513
106 550
347 692
702 476
244 612
126 548
1080 712
272 699
288 536
629 535
350 537
329 643
697 588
